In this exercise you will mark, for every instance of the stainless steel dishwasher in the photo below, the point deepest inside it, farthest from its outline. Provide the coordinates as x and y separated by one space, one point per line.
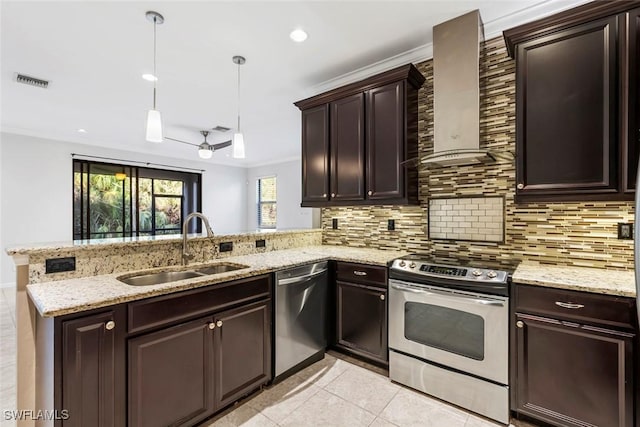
300 317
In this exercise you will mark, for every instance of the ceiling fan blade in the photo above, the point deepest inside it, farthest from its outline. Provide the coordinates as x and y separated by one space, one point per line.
221 145
183 142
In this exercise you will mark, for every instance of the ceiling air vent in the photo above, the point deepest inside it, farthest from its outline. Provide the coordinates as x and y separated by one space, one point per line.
221 128
31 81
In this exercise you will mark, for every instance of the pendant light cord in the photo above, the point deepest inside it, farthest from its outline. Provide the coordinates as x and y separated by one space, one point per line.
155 76
238 97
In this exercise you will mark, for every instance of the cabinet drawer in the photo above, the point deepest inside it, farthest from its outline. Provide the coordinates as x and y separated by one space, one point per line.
582 307
361 273
171 308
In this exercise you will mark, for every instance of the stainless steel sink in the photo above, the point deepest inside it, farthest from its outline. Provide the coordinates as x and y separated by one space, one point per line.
219 268
147 279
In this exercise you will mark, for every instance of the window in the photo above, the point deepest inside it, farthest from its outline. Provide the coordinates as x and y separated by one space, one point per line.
267 202
111 200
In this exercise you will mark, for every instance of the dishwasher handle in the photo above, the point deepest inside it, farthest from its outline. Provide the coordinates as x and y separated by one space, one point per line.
300 279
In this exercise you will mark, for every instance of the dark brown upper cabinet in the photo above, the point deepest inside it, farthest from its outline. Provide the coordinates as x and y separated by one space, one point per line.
315 152
347 148
576 102
633 125
372 129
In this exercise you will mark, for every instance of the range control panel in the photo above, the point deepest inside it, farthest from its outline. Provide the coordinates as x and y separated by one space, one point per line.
421 268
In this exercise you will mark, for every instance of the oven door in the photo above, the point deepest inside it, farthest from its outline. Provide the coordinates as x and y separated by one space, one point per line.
458 329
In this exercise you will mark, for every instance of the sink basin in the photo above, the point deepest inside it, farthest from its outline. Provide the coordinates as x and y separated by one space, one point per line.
157 278
147 279
219 268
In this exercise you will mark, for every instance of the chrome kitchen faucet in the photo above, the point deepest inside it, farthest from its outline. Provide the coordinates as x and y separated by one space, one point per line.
186 257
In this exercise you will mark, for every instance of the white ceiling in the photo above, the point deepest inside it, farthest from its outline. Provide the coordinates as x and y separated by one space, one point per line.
94 54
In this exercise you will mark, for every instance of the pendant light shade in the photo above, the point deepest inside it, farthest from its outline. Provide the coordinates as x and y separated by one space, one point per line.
154 118
154 126
238 146
238 138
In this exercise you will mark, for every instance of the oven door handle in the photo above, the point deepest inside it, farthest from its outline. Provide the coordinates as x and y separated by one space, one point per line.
448 294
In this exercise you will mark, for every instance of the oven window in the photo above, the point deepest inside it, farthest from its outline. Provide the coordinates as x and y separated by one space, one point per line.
444 328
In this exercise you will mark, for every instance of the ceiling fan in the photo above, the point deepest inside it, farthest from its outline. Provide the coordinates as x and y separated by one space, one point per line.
205 150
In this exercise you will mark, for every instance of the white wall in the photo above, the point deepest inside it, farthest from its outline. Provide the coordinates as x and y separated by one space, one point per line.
289 190
36 191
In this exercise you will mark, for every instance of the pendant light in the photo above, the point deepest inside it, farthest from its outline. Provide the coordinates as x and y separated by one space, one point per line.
154 119
238 138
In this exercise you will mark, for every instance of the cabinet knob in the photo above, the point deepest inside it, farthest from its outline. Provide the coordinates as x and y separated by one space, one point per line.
333 194
324 194
110 325
212 325
520 324
520 186
369 192
219 323
382 297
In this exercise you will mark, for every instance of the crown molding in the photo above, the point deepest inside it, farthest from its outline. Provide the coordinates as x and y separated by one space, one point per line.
493 28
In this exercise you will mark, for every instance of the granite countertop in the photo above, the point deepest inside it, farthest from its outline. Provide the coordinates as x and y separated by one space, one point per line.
62 297
34 248
596 280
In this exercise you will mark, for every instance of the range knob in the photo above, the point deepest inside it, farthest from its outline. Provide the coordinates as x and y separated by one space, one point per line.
412 265
492 274
402 263
477 273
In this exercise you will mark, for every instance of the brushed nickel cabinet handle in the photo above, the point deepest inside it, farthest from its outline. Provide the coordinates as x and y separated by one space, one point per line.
520 324
110 325
212 325
324 194
219 323
333 194
569 305
369 192
359 273
382 297
520 186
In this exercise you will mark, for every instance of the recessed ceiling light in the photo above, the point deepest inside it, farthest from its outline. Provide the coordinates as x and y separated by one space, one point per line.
82 130
149 77
298 35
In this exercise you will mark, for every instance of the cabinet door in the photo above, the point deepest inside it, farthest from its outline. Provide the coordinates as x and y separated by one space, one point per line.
362 320
170 375
633 130
315 154
347 148
93 373
573 375
566 129
386 142
242 351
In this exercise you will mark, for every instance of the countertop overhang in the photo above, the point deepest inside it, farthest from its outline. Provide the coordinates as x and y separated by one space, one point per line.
63 297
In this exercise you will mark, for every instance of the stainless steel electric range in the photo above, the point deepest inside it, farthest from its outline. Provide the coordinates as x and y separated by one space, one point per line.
449 333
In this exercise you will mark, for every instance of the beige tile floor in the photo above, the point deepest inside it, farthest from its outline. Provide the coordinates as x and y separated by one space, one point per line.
337 391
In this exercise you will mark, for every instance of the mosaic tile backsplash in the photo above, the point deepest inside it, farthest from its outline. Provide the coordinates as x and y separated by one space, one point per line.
578 234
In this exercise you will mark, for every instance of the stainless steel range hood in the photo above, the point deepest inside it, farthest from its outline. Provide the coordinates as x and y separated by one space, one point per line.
456 92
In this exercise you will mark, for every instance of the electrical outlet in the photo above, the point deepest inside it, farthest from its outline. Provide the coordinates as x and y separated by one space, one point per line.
625 231
261 243
391 224
334 223
226 246
58 265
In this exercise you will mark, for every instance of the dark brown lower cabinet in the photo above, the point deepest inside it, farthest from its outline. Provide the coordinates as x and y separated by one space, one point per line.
93 376
361 323
570 374
170 374
242 352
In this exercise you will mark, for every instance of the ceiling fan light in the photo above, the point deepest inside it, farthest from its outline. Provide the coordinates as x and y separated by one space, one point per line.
154 126
205 151
238 146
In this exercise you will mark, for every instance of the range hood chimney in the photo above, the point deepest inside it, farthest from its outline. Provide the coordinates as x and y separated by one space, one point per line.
456 92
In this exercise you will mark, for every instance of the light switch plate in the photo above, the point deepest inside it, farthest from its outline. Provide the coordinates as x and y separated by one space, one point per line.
625 231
